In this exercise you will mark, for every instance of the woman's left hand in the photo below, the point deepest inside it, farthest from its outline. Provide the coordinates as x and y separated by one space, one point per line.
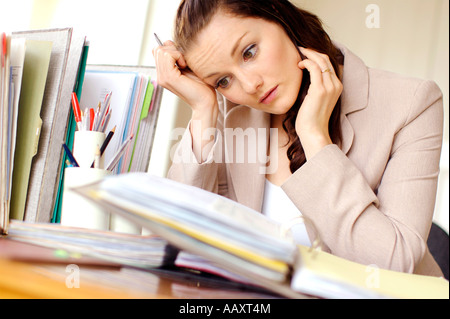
314 114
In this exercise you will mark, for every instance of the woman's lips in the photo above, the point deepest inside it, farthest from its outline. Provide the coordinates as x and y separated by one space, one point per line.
269 96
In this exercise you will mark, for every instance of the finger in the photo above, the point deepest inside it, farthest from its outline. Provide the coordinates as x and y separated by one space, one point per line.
170 53
323 85
321 59
169 43
314 71
330 79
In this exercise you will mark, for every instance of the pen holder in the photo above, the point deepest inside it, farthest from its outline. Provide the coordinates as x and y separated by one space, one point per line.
78 211
84 146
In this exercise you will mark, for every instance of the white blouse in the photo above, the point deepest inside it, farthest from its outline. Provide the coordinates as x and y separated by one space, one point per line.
278 206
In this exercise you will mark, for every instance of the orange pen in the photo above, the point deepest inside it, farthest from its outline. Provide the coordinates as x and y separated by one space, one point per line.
91 117
76 110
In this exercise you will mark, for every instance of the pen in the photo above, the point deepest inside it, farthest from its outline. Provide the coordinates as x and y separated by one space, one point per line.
158 40
112 164
103 111
69 154
76 110
105 124
107 140
92 118
102 126
105 143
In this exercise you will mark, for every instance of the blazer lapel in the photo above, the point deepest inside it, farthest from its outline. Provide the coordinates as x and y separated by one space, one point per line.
354 97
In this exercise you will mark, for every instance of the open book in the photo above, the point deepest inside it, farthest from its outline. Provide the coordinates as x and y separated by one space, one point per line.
248 244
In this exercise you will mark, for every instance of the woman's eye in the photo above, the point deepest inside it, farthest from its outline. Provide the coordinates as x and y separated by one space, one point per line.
223 83
249 52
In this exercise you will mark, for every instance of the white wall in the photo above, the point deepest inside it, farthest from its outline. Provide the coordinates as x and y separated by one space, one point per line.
15 15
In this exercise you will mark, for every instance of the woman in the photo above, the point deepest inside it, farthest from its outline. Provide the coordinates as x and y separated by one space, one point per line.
356 150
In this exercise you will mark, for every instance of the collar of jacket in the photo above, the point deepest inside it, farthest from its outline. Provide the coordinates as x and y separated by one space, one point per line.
354 97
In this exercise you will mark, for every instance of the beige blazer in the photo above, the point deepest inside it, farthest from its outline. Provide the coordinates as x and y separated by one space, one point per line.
372 198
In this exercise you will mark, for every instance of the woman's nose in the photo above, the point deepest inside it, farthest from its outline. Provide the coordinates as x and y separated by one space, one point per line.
251 82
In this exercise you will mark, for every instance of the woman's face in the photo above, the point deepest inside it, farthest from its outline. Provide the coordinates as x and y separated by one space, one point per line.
250 61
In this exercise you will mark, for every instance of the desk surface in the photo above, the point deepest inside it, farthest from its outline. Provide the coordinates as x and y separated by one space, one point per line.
22 275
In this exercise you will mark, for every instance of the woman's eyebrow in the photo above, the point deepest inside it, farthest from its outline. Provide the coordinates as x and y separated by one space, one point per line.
236 45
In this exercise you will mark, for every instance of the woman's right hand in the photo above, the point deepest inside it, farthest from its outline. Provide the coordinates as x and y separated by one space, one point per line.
174 75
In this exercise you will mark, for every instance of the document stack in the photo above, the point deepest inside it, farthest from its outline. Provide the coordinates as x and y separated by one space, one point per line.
231 238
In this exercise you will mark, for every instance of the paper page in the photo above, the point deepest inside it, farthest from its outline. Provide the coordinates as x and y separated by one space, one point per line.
4 110
17 62
328 276
206 203
128 249
152 198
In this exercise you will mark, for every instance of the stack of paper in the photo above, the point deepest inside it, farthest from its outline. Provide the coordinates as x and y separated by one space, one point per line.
10 84
125 249
241 244
233 233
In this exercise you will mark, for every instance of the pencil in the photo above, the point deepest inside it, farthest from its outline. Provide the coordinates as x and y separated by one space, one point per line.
112 164
69 154
158 40
106 142
103 111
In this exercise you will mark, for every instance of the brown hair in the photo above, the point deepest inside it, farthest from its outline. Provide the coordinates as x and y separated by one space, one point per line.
303 28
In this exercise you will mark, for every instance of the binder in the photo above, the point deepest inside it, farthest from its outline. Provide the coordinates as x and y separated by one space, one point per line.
40 189
51 63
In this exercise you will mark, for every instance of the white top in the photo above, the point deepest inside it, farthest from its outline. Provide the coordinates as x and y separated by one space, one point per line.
278 206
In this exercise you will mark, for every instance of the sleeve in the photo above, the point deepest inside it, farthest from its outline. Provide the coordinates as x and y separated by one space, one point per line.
387 226
208 174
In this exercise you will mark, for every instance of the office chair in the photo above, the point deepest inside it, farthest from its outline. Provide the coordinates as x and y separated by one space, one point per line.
438 244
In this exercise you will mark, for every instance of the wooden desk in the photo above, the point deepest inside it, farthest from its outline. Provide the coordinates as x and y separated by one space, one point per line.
23 275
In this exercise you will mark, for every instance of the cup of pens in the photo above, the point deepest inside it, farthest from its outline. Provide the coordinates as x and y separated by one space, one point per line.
86 165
